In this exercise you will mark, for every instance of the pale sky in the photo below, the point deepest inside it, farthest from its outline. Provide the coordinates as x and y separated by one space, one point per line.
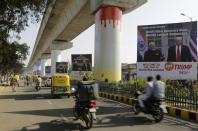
153 12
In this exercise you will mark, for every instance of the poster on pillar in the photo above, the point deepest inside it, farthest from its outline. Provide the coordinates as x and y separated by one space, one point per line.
47 69
61 67
81 63
169 50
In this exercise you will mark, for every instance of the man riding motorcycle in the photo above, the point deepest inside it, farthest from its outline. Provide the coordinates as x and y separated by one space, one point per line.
148 87
158 88
150 102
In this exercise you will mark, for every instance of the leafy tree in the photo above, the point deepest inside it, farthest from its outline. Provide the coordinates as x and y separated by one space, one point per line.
15 14
12 56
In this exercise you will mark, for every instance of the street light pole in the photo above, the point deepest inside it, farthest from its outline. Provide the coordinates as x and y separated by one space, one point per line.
187 16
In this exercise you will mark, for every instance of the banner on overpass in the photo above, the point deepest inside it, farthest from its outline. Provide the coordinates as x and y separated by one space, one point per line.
167 45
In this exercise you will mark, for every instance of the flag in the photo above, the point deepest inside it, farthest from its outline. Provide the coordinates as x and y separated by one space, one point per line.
142 46
193 41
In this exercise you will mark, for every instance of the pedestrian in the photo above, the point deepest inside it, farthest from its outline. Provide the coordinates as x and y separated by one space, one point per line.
28 80
13 82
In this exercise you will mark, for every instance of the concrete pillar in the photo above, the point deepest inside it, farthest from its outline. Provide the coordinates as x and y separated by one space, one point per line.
44 59
107 61
56 47
43 64
55 57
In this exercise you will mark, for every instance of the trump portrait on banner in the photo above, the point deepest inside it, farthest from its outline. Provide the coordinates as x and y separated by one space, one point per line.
179 52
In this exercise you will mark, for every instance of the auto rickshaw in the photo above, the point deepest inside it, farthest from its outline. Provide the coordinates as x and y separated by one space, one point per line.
60 85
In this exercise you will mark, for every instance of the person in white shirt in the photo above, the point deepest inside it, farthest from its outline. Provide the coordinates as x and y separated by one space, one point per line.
148 87
158 88
39 81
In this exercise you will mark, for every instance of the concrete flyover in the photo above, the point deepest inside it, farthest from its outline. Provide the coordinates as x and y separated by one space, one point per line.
66 19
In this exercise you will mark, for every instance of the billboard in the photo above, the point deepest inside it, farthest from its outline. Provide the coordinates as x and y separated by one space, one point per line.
47 69
61 67
81 62
167 49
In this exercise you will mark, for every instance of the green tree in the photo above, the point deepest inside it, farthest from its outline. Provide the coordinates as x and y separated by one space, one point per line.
15 14
12 56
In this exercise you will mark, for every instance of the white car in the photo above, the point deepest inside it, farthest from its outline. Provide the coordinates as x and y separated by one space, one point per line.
48 81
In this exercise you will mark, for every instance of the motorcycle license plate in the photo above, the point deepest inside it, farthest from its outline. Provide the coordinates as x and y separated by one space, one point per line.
92 110
163 108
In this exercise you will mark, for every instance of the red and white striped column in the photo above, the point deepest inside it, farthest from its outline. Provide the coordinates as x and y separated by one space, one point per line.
107 63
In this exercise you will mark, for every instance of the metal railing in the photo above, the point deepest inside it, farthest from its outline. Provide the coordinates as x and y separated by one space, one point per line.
186 98
181 97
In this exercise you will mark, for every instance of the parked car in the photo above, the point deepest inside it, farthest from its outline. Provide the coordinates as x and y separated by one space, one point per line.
48 82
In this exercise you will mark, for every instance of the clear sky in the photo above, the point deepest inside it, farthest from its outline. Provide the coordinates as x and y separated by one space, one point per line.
153 12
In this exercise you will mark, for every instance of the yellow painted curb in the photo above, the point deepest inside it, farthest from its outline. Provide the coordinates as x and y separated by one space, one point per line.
119 98
130 101
125 99
114 97
185 114
102 94
172 111
197 117
109 96
106 95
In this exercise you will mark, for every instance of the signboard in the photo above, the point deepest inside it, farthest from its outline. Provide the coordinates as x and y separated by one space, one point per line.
167 49
168 70
81 62
47 69
61 67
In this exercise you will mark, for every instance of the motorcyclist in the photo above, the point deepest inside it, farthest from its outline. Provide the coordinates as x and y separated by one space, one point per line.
158 88
13 82
79 101
38 82
77 92
148 87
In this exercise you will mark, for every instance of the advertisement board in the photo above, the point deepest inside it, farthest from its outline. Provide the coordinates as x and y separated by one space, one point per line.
61 67
168 70
47 69
167 45
81 62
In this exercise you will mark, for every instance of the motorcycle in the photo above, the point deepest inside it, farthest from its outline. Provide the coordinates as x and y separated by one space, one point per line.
152 106
37 87
85 111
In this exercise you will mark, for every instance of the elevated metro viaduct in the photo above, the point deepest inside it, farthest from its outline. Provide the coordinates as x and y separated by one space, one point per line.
66 19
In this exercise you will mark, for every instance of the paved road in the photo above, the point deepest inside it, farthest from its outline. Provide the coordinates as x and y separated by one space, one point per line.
28 110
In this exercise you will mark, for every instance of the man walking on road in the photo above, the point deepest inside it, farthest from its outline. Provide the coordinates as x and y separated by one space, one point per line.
13 82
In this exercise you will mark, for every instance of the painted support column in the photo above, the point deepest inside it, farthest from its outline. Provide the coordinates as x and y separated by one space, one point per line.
56 47
55 57
44 59
107 63
43 64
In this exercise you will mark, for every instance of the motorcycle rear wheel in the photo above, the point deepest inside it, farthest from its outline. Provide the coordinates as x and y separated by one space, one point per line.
75 112
89 120
136 108
158 114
